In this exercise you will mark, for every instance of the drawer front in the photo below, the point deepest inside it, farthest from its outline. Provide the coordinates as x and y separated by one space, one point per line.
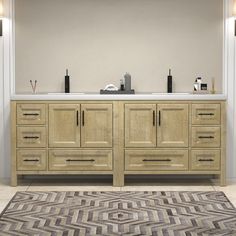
31 136
206 137
30 159
31 114
205 160
205 114
145 160
83 160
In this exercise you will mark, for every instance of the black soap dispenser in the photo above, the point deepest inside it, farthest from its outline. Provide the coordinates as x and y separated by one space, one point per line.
67 82
169 82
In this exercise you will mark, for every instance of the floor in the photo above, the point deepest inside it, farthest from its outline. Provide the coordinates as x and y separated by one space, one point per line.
105 184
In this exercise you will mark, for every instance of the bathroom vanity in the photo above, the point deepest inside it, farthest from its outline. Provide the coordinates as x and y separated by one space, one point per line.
118 135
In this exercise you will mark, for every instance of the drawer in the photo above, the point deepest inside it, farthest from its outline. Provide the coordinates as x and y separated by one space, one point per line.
83 160
156 160
206 137
205 160
31 114
31 159
206 114
31 136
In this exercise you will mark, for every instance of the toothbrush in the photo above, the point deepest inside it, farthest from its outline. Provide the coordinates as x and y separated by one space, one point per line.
33 86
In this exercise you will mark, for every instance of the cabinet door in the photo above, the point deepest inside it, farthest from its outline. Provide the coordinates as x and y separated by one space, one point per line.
96 125
140 125
64 127
172 128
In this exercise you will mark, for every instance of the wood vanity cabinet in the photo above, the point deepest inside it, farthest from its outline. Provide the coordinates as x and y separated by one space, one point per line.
181 137
118 138
61 138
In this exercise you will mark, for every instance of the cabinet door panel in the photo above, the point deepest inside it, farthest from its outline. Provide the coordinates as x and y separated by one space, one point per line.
172 128
64 127
140 125
96 125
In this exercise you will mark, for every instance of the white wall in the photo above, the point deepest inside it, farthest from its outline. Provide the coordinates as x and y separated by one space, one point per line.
100 40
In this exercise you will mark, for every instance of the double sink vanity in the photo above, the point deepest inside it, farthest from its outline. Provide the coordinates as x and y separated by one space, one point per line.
119 135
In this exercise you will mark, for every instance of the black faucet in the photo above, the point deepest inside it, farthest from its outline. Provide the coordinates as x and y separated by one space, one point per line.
67 82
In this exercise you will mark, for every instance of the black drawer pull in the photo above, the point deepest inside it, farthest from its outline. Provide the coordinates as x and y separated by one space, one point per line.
206 114
28 137
153 118
30 114
157 160
159 118
33 160
211 137
80 160
205 160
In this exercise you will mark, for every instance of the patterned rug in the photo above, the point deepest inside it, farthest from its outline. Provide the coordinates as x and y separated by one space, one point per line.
118 213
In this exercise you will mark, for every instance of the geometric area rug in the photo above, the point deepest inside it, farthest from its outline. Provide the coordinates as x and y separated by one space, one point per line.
119 213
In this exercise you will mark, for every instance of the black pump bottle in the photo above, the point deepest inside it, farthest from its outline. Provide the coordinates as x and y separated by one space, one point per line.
169 82
67 82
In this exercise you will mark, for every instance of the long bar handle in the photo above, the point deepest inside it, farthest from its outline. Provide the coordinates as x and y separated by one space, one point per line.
28 137
205 160
82 118
157 160
28 160
77 118
202 137
159 118
30 114
206 114
153 118
80 160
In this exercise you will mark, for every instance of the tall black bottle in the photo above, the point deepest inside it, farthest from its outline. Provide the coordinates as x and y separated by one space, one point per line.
67 82
169 82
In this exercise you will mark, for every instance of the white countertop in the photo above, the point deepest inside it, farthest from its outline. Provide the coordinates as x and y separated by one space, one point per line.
138 96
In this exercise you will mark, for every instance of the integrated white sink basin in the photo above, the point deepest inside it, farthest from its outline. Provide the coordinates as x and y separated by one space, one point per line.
66 93
170 93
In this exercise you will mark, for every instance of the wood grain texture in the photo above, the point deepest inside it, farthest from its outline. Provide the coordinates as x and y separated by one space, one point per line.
96 125
129 131
170 159
204 159
206 137
118 144
206 114
64 125
31 114
140 125
32 159
80 159
223 145
172 129
31 136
